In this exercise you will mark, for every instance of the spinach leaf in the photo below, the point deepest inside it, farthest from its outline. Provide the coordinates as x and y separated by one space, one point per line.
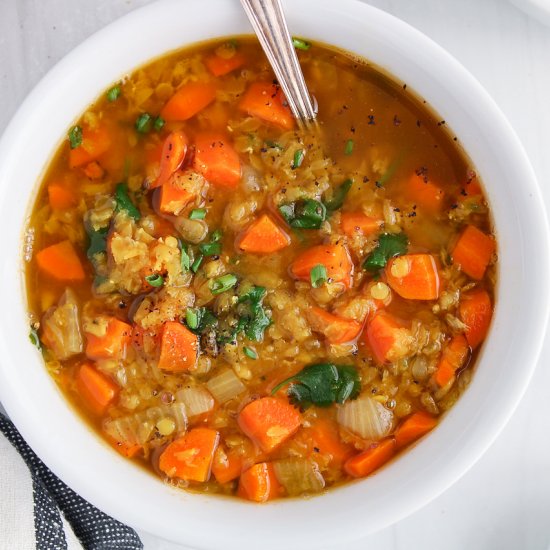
304 214
123 202
338 197
389 246
322 384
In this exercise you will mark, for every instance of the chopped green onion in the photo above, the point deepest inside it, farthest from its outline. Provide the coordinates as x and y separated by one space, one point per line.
159 123
34 338
216 236
298 159
300 44
274 145
114 93
348 150
185 259
144 123
338 197
197 214
192 318
75 137
197 263
123 201
155 280
318 275
223 283
211 249
249 352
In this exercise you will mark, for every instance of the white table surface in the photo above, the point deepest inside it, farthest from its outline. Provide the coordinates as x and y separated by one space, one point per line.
503 502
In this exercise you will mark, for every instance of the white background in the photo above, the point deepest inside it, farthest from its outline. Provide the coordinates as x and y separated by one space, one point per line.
504 501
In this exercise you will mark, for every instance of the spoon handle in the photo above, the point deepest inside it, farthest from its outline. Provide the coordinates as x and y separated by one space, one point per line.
269 23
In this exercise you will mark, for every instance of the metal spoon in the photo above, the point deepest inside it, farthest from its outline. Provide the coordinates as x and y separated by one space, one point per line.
270 26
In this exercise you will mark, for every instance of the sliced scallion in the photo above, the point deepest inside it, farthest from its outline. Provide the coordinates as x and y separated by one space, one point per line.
249 352
197 263
75 137
318 275
223 283
143 123
300 44
348 149
298 159
159 123
113 93
197 214
155 280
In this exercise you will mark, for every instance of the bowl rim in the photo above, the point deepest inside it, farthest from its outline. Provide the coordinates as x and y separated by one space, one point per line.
450 462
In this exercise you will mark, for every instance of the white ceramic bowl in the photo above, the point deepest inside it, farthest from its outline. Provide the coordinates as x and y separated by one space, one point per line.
132 495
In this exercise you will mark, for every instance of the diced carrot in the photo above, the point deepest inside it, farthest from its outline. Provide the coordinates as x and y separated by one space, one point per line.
94 143
125 449
368 461
227 465
471 188
172 156
387 337
61 262
112 344
357 223
190 457
414 427
414 276
475 311
219 66
188 101
265 100
473 251
217 160
453 358
269 421
326 440
174 198
259 483
337 329
93 170
425 194
97 390
178 348
335 258
61 197
262 236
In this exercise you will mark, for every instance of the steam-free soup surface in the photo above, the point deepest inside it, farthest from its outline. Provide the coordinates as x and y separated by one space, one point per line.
248 308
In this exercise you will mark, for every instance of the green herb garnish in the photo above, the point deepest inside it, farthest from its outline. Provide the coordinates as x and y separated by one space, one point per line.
222 284
304 214
249 352
98 241
389 246
211 249
322 384
199 318
298 159
35 339
318 275
274 145
197 214
185 258
155 280
123 202
75 137
197 263
159 123
348 149
144 122
338 197
252 311
300 44
113 93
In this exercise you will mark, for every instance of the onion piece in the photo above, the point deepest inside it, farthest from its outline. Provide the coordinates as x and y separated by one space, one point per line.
225 386
366 418
197 400
299 476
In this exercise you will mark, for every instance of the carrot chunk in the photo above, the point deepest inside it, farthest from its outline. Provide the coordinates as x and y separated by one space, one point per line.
227 465
368 461
178 348
219 66
265 100
97 390
61 262
473 251
61 197
453 358
172 156
425 194
337 329
259 483
334 257
269 422
190 457
414 276
94 143
188 101
354 223
263 236
93 170
217 160
387 337
173 199
112 344
125 449
414 427
475 311
326 440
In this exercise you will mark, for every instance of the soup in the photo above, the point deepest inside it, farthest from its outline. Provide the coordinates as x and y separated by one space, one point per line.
249 308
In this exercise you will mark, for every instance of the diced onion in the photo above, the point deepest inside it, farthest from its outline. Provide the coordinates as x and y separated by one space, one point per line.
366 418
299 476
225 386
196 399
